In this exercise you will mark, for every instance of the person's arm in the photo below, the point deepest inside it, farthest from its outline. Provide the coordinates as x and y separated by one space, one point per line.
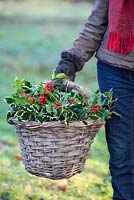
89 40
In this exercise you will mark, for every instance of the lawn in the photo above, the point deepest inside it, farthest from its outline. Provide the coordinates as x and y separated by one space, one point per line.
32 36
34 33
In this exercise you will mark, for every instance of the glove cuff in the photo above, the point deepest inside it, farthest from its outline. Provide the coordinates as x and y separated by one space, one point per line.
75 58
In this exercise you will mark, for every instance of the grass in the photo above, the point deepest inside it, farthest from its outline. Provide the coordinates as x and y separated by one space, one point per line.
49 9
36 31
32 51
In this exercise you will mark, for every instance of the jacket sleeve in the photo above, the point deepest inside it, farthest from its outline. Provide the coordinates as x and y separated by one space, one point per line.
91 36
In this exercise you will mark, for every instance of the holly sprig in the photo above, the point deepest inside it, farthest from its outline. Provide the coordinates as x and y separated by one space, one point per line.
44 102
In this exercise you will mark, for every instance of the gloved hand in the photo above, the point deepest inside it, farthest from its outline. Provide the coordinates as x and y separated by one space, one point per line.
67 67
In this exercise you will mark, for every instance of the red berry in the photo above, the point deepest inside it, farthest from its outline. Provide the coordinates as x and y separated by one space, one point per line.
42 99
110 113
95 108
71 100
26 95
85 117
32 100
58 106
49 86
86 101
46 96
42 102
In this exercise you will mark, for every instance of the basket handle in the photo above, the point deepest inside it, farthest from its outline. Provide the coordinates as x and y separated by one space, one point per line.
81 89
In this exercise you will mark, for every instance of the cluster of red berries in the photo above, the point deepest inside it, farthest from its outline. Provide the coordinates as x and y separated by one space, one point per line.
95 108
42 99
49 86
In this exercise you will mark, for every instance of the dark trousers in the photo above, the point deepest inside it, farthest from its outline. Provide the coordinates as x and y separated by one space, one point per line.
120 129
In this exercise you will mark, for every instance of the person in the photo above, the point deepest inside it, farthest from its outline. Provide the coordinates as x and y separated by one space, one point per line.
109 34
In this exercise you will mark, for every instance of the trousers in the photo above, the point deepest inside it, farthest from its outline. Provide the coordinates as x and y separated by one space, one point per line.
120 129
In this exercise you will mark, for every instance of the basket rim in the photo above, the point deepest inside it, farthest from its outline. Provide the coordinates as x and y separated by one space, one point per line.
50 124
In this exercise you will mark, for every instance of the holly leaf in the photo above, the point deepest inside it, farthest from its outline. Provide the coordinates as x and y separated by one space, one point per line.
19 82
61 75
25 116
36 107
27 84
49 108
53 75
9 115
104 114
85 122
39 118
21 100
106 94
82 115
19 113
73 94
114 112
8 100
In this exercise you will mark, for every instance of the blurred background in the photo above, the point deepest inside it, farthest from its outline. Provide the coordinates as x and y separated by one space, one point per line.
32 35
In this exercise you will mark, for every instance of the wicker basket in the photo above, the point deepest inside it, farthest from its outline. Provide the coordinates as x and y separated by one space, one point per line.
54 151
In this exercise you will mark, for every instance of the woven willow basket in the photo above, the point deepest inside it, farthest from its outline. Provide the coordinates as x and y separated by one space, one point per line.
52 150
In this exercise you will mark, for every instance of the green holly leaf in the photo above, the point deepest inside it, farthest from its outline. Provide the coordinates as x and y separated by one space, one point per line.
105 114
82 115
72 93
60 75
19 82
21 100
27 84
85 122
20 90
19 113
39 118
10 114
8 100
114 112
36 106
49 108
40 89
106 94
53 75
25 116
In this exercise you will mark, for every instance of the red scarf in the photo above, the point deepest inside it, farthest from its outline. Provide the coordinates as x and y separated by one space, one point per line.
121 26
